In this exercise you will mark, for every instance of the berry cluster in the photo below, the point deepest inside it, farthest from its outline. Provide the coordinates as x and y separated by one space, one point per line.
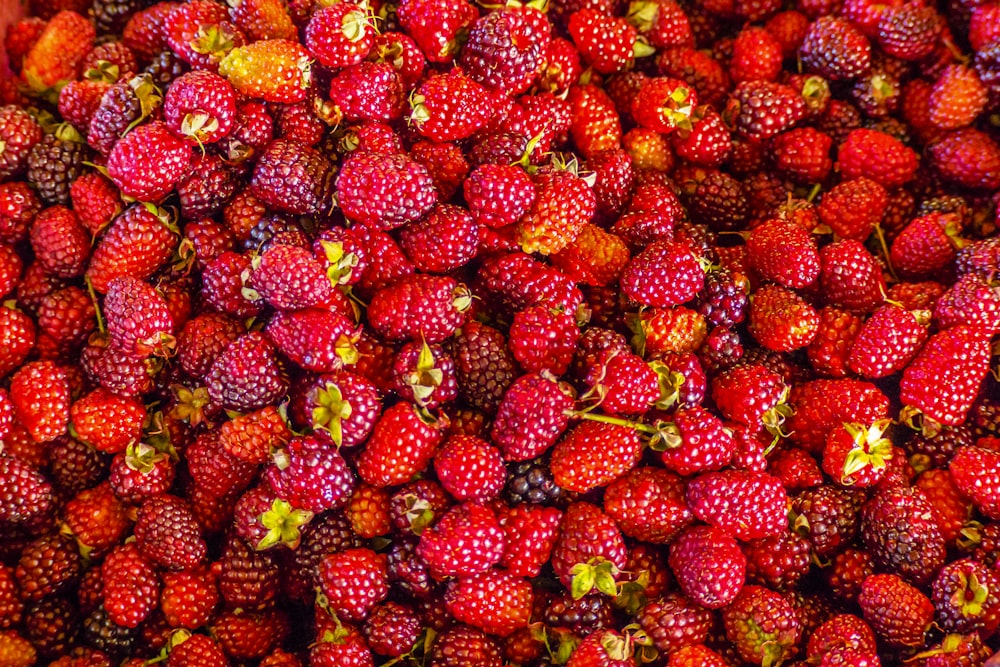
450 334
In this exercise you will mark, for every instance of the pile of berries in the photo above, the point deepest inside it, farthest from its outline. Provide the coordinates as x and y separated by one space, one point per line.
445 334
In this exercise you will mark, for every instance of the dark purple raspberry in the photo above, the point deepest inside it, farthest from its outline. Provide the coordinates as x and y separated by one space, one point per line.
55 162
723 300
835 49
294 178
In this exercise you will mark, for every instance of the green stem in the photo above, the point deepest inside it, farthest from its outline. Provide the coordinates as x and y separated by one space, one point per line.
617 421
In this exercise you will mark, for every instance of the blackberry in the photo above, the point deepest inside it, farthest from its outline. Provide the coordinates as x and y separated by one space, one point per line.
898 530
955 204
604 304
812 609
674 621
110 16
121 106
838 120
781 363
25 495
531 482
720 201
271 227
698 237
589 613
164 68
778 562
982 257
248 579
891 126
953 591
497 148
417 504
391 629
462 646
593 342
293 178
326 534
48 566
722 349
988 65
168 534
982 542
985 417
103 634
936 451
835 49
909 32
766 109
484 366
19 133
827 517
51 625
766 192
74 466
877 94
500 52
723 300
407 570
55 162
208 186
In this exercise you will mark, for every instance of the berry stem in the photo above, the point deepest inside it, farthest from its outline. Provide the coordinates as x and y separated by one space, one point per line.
617 421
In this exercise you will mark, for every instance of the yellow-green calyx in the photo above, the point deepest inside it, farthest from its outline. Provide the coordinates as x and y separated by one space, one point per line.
425 378
871 448
355 25
330 412
340 264
283 523
677 108
597 573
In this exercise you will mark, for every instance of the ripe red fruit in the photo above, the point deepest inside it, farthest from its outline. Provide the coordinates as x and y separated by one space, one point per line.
384 191
664 274
886 342
664 104
898 613
781 320
974 471
340 35
606 42
495 601
148 161
942 380
402 443
39 392
744 504
419 307
448 107
274 70
57 54
594 454
354 581
878 156
200 106
466 541
530 418
469 468
709 566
